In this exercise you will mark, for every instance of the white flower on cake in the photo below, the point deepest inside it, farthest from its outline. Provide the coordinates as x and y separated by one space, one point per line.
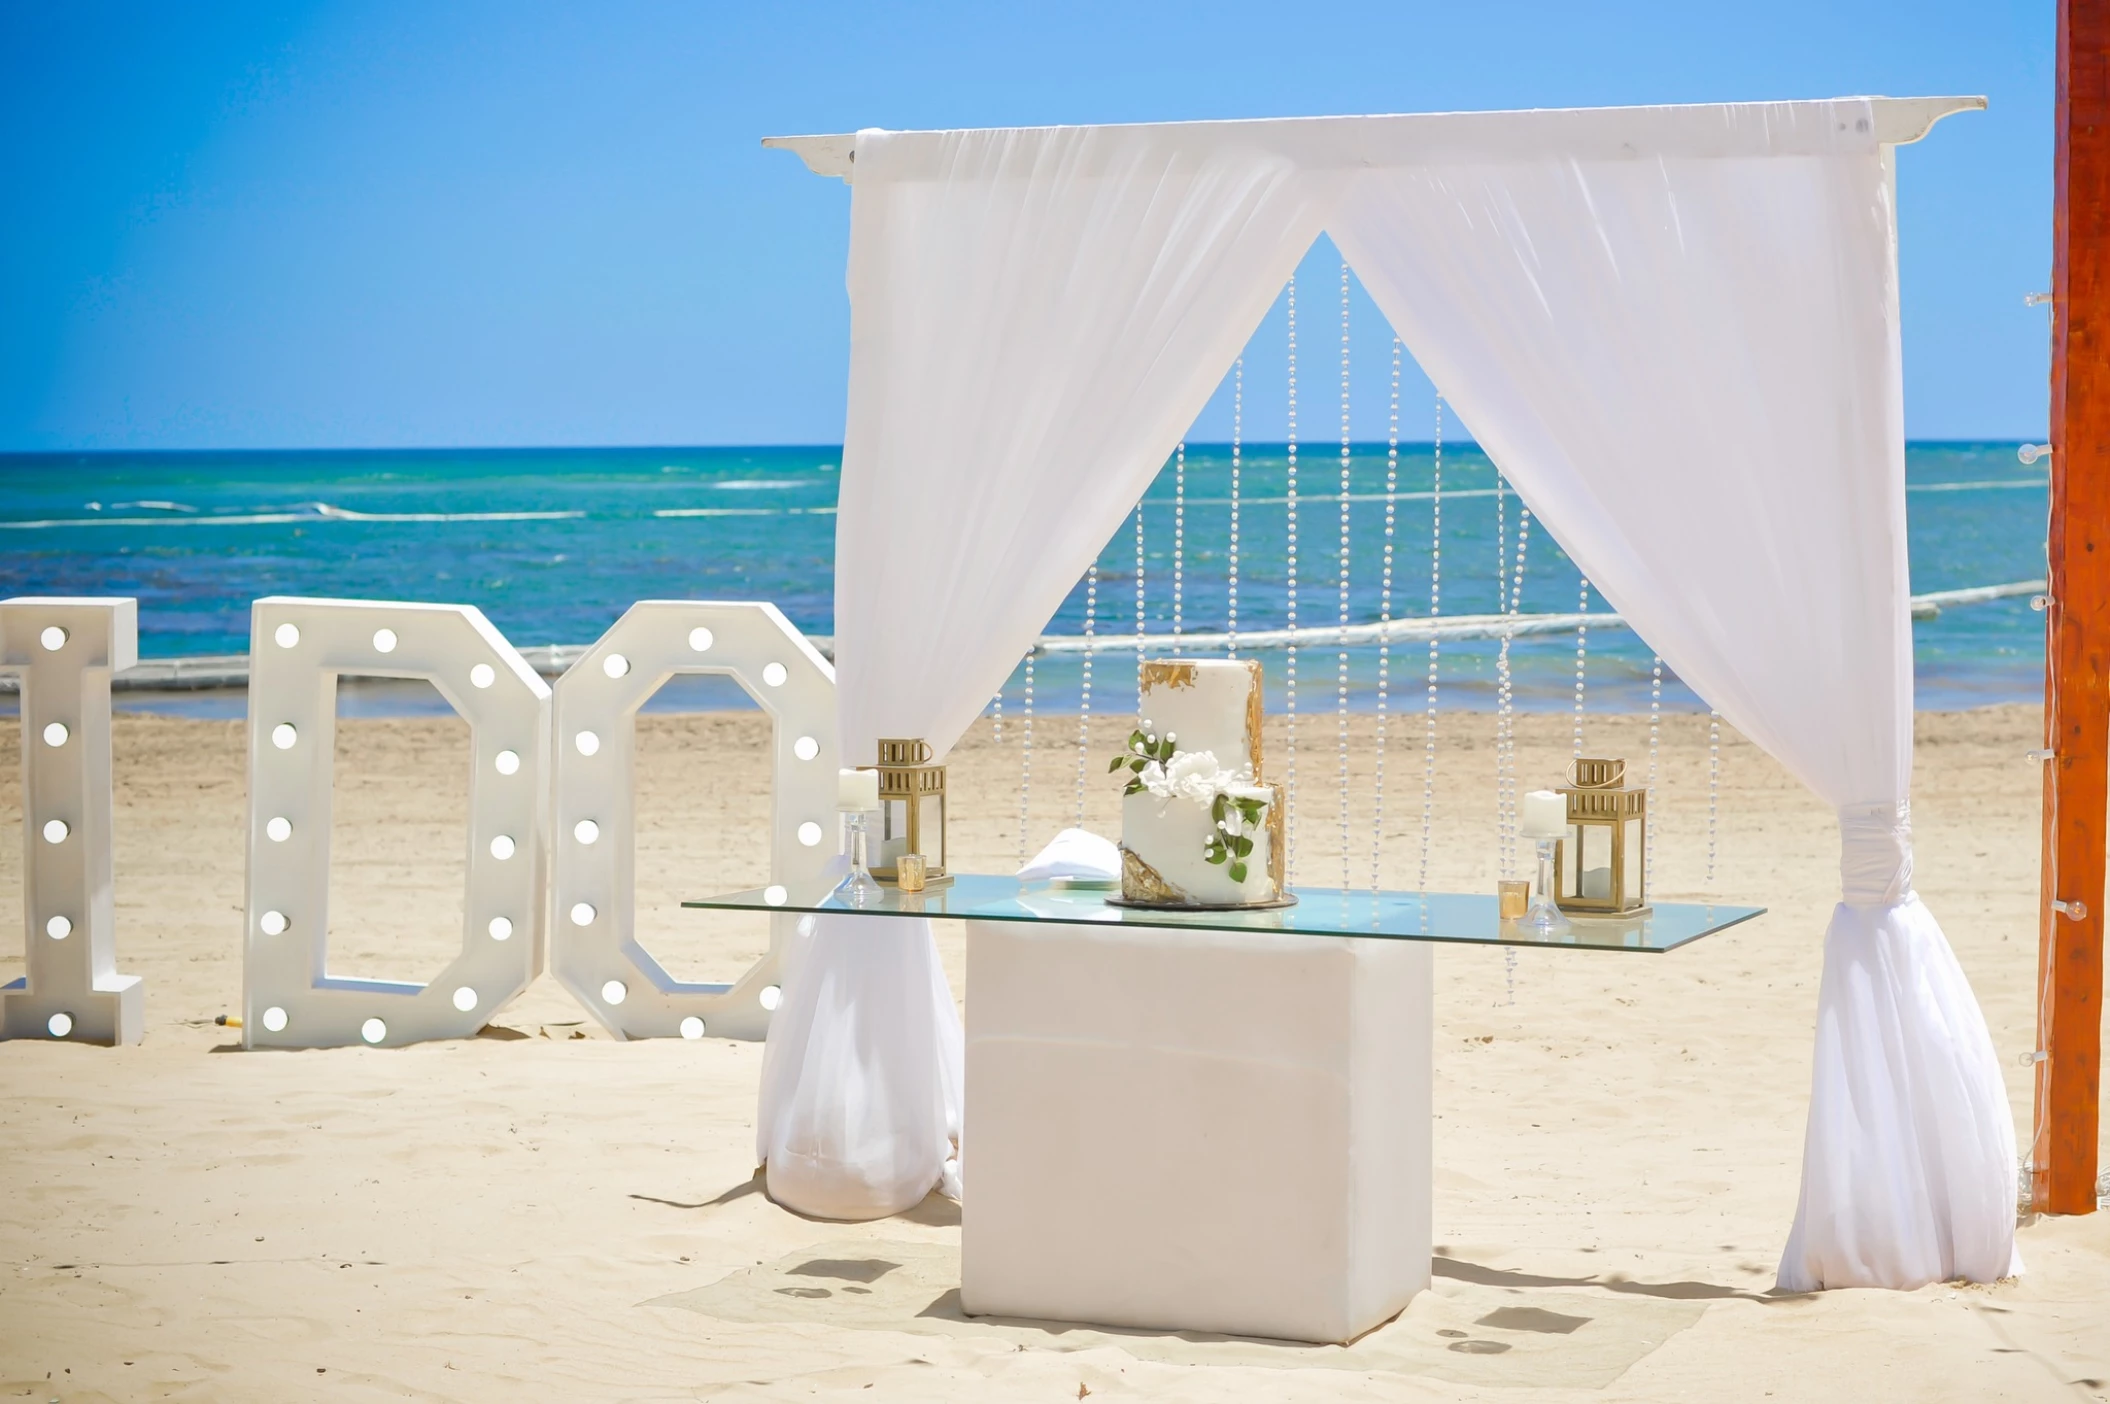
1192 775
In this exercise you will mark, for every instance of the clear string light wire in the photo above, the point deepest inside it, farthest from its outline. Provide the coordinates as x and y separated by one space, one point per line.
1341 657
1290 591
1237 447
1582 648
1384 617
1179 541
1428 744
1084 682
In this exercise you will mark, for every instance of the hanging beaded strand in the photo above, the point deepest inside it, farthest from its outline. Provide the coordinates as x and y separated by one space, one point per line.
1509 677
1508 763
1237 445
1655 726
1084 682
996 716
1290 669
1179 541
1505 841
1139 610
1341 658
1384 624
1714 786
1428 744
1582 646
1502 854
1025 768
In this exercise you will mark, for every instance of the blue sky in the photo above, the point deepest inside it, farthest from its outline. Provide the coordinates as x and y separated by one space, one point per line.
288 225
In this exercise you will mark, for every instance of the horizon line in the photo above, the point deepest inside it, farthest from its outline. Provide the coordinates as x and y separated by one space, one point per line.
1316 447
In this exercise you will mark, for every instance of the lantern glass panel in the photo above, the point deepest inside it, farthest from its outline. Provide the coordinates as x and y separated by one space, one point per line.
930 830
1635 842
893 831
1594 861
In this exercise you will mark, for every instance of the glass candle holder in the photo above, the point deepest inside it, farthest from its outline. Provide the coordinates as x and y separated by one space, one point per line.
1543 917
860 888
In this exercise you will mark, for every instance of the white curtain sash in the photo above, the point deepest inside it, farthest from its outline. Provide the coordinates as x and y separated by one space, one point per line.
1875 853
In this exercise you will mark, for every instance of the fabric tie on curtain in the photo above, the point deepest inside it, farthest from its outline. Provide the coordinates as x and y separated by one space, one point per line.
1875 853
1035 319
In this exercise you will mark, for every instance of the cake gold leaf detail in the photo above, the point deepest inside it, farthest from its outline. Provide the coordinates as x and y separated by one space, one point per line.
1167 672
1142 883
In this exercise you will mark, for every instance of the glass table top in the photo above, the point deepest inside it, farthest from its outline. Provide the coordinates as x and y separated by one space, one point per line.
1460 917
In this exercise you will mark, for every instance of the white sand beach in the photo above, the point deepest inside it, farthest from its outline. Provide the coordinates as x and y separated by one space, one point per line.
545 1213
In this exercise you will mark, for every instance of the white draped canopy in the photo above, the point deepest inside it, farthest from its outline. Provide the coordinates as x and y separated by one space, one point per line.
1675 330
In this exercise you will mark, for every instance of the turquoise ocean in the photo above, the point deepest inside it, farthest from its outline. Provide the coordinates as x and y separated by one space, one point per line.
553 545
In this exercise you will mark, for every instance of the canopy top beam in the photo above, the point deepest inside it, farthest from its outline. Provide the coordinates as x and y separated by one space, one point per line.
1898 121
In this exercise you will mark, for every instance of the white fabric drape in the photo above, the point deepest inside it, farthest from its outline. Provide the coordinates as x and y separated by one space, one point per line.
1690 369
1675 329
1017 375
1035 319
862 1078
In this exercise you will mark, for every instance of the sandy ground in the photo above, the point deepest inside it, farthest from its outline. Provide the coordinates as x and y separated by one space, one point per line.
543 1213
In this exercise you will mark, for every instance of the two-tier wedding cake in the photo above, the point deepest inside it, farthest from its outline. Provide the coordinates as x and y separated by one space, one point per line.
1199 825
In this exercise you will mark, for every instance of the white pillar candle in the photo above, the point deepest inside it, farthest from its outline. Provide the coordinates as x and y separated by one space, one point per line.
1542 815
857 791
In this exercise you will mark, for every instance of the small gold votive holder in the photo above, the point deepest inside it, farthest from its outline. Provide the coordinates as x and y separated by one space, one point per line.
908 872
1513 897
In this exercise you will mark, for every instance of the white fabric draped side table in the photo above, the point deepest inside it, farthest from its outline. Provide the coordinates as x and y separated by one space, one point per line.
1196 1130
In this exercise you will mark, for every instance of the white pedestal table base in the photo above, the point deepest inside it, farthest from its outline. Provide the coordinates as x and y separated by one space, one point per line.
1196 1130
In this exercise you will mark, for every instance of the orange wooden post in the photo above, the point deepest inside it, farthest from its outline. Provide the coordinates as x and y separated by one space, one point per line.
2077 624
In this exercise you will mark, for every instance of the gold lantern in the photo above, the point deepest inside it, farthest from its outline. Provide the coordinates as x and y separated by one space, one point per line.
911 811
1599 866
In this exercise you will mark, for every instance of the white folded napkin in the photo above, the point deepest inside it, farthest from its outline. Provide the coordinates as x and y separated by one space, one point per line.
1077 855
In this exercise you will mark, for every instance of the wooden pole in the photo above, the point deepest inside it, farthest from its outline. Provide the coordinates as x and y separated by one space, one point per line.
2077 624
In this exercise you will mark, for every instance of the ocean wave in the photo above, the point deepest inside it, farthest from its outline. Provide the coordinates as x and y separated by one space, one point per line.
244 519
326 512
754 484
740 511
310 512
